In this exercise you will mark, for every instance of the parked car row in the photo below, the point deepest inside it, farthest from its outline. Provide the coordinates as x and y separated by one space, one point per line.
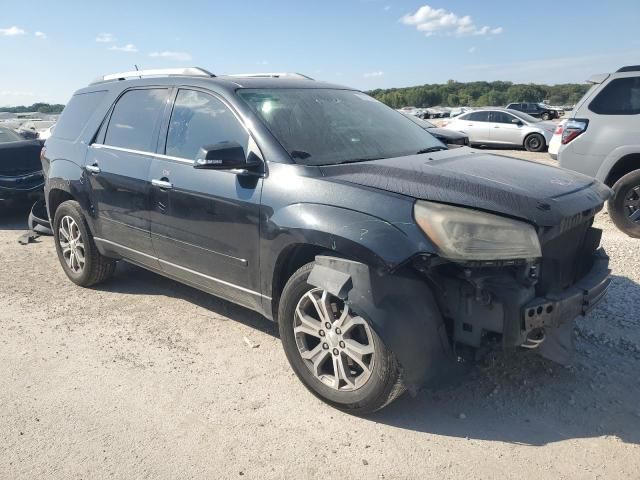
384 257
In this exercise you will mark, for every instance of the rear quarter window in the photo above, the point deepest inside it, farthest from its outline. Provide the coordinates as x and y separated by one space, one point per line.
619 97
77 113
135 119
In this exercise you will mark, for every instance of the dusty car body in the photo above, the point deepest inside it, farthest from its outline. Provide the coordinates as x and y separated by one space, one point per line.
419 250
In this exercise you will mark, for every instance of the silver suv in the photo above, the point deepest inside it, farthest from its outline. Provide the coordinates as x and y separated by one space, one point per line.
602 139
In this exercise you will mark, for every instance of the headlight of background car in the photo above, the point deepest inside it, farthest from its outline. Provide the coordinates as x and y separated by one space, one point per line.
465 234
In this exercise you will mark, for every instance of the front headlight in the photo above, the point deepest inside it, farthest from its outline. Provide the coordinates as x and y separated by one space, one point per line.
465 234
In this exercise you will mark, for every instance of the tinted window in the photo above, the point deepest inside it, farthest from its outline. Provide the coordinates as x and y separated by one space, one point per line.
77 113
620 97
501 117
319 126
199 119
479 117
135 118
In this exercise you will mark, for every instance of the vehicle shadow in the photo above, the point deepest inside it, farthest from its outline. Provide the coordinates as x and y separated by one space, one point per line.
131 279
522 398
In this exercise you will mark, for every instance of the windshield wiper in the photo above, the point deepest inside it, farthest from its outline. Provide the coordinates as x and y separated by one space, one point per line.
430 150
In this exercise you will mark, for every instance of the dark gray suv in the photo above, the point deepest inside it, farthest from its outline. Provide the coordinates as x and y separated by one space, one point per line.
382 255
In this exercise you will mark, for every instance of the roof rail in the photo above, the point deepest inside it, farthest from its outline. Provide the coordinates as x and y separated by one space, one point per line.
629 68
272 75
157 72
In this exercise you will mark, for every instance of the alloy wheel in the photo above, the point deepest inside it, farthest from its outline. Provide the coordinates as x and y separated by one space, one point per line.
335 343
534 143
71 244
632 204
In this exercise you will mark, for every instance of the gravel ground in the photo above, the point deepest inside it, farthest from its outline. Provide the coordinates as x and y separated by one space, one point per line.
145 378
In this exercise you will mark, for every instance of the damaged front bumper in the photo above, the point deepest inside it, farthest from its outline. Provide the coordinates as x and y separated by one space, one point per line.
556 308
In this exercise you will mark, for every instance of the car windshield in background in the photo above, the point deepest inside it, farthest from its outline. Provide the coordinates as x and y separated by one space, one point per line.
7 136
331 126
524 116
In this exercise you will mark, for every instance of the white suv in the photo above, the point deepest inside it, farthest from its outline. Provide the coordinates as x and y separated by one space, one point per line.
602 139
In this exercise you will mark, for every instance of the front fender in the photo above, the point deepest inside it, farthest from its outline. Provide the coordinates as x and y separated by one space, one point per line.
400 308
371 239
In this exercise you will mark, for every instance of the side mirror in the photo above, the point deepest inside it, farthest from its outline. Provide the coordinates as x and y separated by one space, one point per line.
516 121
221 156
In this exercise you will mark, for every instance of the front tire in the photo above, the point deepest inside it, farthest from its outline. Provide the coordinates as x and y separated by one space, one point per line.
546 116
334 352
624 206
77 252
534 143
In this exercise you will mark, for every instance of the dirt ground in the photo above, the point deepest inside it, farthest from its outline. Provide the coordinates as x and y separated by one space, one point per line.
145 378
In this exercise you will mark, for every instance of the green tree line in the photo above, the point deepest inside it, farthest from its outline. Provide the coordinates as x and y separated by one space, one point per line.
39 107
479 94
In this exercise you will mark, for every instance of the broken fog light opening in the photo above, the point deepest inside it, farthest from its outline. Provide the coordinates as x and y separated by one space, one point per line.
534 338
467 235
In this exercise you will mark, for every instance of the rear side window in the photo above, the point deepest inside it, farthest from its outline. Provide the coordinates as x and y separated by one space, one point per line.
479 117
77 113
620 97
199 119
135 119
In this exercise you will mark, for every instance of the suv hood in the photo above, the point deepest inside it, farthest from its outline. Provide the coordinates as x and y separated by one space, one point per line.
540 194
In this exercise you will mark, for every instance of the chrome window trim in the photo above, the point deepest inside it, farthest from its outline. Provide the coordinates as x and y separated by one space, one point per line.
101 146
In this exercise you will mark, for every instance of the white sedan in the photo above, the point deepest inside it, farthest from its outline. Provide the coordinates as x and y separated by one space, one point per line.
503 127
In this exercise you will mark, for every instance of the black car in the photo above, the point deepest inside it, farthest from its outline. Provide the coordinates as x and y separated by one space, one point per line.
448 137
20 168
537 110
382 255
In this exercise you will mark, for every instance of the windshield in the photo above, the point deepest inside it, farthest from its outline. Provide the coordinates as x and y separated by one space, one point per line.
7 136
330 126
524 116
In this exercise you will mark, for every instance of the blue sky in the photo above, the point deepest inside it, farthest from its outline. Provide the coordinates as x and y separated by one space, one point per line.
48 52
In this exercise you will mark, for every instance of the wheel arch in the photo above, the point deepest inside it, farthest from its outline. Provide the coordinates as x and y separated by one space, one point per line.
621 167
299 233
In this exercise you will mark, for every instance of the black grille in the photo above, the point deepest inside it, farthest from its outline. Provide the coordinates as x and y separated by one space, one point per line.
567 258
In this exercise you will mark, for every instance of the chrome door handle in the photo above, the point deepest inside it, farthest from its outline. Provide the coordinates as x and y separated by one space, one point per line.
92 168
162 184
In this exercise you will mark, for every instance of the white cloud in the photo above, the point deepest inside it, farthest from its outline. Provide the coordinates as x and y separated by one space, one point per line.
373 74
434 21
129 47
40 35
105 38
177 56
387 8
472 50
11 31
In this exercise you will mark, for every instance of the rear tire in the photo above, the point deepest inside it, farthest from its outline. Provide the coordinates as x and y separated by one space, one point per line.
624 206
77 252
366 390
534 143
